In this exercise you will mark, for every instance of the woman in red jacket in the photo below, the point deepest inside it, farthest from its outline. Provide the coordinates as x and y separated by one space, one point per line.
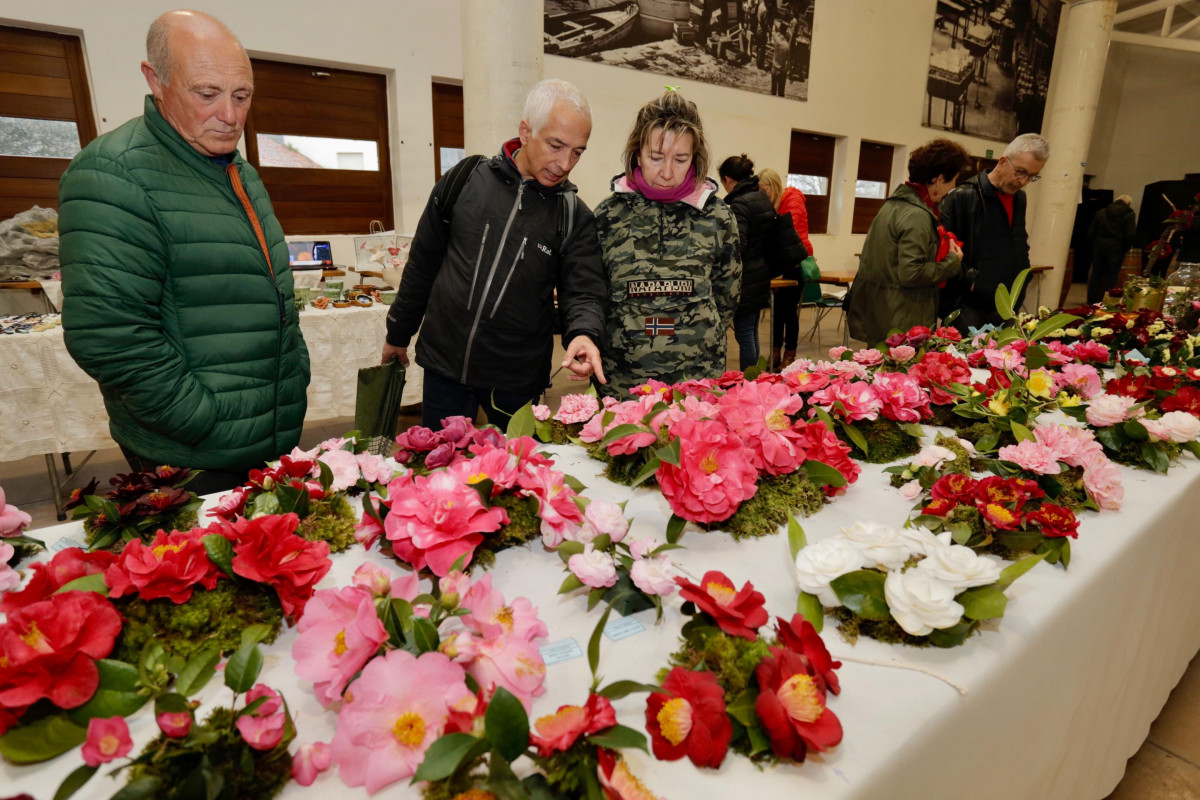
785 323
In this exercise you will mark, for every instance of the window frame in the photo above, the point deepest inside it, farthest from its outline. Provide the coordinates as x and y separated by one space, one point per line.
813 154
875 161
448 124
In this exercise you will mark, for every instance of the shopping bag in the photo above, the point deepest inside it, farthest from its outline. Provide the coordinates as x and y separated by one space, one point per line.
377 405
380 249
811 277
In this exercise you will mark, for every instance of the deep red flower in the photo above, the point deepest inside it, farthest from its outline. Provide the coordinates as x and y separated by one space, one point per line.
917 335
296 467
1135 386
267 550
78 493
802 638
1186 399
689 719
999 491
171 566
737 612
163 499
791 707
949 334
1055 521
1000 516
937 370
940 508
821 444
558 731
66 566
955 487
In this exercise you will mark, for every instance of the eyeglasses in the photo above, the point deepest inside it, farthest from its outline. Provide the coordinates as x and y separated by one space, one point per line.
1023 175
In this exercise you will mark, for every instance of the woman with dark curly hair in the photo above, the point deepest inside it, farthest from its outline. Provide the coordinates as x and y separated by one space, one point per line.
907 252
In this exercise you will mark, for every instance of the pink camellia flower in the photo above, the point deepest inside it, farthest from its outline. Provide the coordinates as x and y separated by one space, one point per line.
107 739
458 431
848 400
556 502
1102 479
12 519
607 517
441 456
400 706
490 616
231 504
541 413
1180 426
368 529
848 370
629 412
495 464
419 439
1032 455
594 568
575 408
374 578
337 635
437 519
1109 409
901 397
911 490
1092 352
1084 379
868 357
1070 445
310 761
653 575
761 415
344 466
262 728
506 660
374 469
335 443
1156 431
557 732
902 353
1004 358
175 724
805 381
715 473
836 352
9 578
642 548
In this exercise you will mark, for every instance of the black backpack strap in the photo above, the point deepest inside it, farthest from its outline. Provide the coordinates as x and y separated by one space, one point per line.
456 179
565 216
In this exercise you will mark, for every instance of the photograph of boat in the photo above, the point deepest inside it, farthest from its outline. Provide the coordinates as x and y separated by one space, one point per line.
577 32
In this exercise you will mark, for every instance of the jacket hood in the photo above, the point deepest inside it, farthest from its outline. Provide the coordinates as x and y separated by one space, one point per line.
505 160
704 189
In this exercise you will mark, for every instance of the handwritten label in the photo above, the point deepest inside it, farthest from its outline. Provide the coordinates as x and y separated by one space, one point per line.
560 651
66 543
618 629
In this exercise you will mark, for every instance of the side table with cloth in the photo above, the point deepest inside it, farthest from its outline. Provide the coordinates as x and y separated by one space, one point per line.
1049 704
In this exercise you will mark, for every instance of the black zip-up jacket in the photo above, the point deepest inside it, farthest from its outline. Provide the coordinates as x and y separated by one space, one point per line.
994 252
755 219
481 289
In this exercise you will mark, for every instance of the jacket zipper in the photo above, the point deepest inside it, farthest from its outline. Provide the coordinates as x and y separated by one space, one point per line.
475 275
519 258
488 283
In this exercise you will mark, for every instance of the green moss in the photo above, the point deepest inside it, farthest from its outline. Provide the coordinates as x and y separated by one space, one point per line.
887 631
622 469
944 416
563 434
778 497
524 525
248 774
969 515
1130 453
962 459
731 658
208 618
886 441
331 520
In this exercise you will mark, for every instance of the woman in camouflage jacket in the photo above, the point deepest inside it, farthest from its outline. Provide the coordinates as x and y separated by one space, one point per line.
670 249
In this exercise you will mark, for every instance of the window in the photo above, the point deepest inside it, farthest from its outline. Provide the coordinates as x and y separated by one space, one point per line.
45 115
448 142
871 188
319 138
810 169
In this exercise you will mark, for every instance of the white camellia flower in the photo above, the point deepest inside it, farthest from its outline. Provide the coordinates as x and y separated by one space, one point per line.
1181 426
960 566
819 563
933 455
920 540
880 544
920 601
653 575
911 491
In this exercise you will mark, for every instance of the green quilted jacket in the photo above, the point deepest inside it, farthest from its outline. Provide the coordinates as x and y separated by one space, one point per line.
170 305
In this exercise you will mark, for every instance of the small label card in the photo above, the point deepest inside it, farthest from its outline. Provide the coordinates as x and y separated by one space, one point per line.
560 651
66 543
618 629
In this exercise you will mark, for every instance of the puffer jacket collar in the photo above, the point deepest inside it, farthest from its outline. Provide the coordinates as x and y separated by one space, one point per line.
157 124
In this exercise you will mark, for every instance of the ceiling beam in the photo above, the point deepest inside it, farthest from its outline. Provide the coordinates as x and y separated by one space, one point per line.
1185 27
1167 19
1148 40
1145 10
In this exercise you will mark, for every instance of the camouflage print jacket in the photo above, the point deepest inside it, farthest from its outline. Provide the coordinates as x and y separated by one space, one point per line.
674 274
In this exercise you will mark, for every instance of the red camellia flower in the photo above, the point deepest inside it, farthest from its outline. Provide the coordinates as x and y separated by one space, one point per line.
802 638
1136 386
737 612
917 335
937 370
715 475
955 487
1055 521
66 566
949 334
48 650
558 731
999 491
689 719
171 566
940 508
821 444
1000 517
791 707
267 550
1186 399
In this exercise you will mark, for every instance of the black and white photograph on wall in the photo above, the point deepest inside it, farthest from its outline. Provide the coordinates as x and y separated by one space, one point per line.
756 45
989 66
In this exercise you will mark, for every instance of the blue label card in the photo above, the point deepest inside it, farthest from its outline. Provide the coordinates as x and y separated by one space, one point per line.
66 544
1135 355
618 629
560 651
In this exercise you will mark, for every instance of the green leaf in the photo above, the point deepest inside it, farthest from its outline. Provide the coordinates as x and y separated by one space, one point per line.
983 602
522 423
220 552
823 415
75 781
1110 438
809 607
1036 357
620 432
88 583
570 584
1016 570
196 674
1135 430
912 429
1051 323
595 596
1003 302
263 505
1155 458
1019 284
325 478
448 753
647 471
506 724
742 708
116 696
425 635
253 634
140 788
1056 551
952 636
593 650
569 548
41 740
960 532
759 743
543 430
675 527
243 668
619 737
574 483
822 474
618 689
855 436
1193 448
796 538
1022 433
670 452
1020 540
862 592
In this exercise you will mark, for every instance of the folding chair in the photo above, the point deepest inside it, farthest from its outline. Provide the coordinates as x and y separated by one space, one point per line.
829 300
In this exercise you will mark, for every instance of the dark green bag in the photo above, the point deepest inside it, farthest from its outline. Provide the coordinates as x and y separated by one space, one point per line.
377 404
811 276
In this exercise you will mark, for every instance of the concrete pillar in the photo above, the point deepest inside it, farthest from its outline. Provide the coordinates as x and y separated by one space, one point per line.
1074 92
502 60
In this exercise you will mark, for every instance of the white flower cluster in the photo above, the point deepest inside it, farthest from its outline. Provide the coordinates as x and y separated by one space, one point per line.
920 598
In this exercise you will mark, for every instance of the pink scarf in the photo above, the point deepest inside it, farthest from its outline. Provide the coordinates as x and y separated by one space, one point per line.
672 195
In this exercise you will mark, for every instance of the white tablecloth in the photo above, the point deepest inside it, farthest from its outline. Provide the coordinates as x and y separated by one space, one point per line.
1058 695
51 406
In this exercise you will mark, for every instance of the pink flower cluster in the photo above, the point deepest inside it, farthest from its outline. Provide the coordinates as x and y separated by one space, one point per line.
12 519
716 473
1075 447
576 408
894 395
440 448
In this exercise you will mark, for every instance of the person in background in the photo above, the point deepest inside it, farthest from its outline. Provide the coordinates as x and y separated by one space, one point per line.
176 285
987 215
670 251
755 215
785 320
484 267
781 57
1112 232
907 252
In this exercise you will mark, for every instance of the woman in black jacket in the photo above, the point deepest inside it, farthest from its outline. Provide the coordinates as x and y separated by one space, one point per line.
755 215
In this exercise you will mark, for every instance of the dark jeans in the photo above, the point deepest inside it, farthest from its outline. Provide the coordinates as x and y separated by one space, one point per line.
779 83
785 323
1106 267
745 330
443 398
209 481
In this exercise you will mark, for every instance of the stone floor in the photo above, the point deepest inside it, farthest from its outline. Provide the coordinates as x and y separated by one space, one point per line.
1167 767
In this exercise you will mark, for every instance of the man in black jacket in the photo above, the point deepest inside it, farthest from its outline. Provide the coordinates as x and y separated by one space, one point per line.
987 214
497 238
1111 233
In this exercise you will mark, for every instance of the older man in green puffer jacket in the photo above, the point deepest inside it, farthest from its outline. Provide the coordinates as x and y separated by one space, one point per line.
177 290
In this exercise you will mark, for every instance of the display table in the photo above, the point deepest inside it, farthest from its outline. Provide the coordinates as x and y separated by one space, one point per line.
1048 704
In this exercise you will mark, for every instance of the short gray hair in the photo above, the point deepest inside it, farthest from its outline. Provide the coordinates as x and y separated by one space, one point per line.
542 97
1030 143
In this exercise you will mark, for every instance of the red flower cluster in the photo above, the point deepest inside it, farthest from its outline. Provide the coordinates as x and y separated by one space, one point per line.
557 732
937 370
171 566
823 445
791 705
66 566
737 612
1004 504
1186 399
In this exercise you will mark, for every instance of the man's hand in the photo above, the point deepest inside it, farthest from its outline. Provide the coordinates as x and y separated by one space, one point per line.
583 359
391 351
